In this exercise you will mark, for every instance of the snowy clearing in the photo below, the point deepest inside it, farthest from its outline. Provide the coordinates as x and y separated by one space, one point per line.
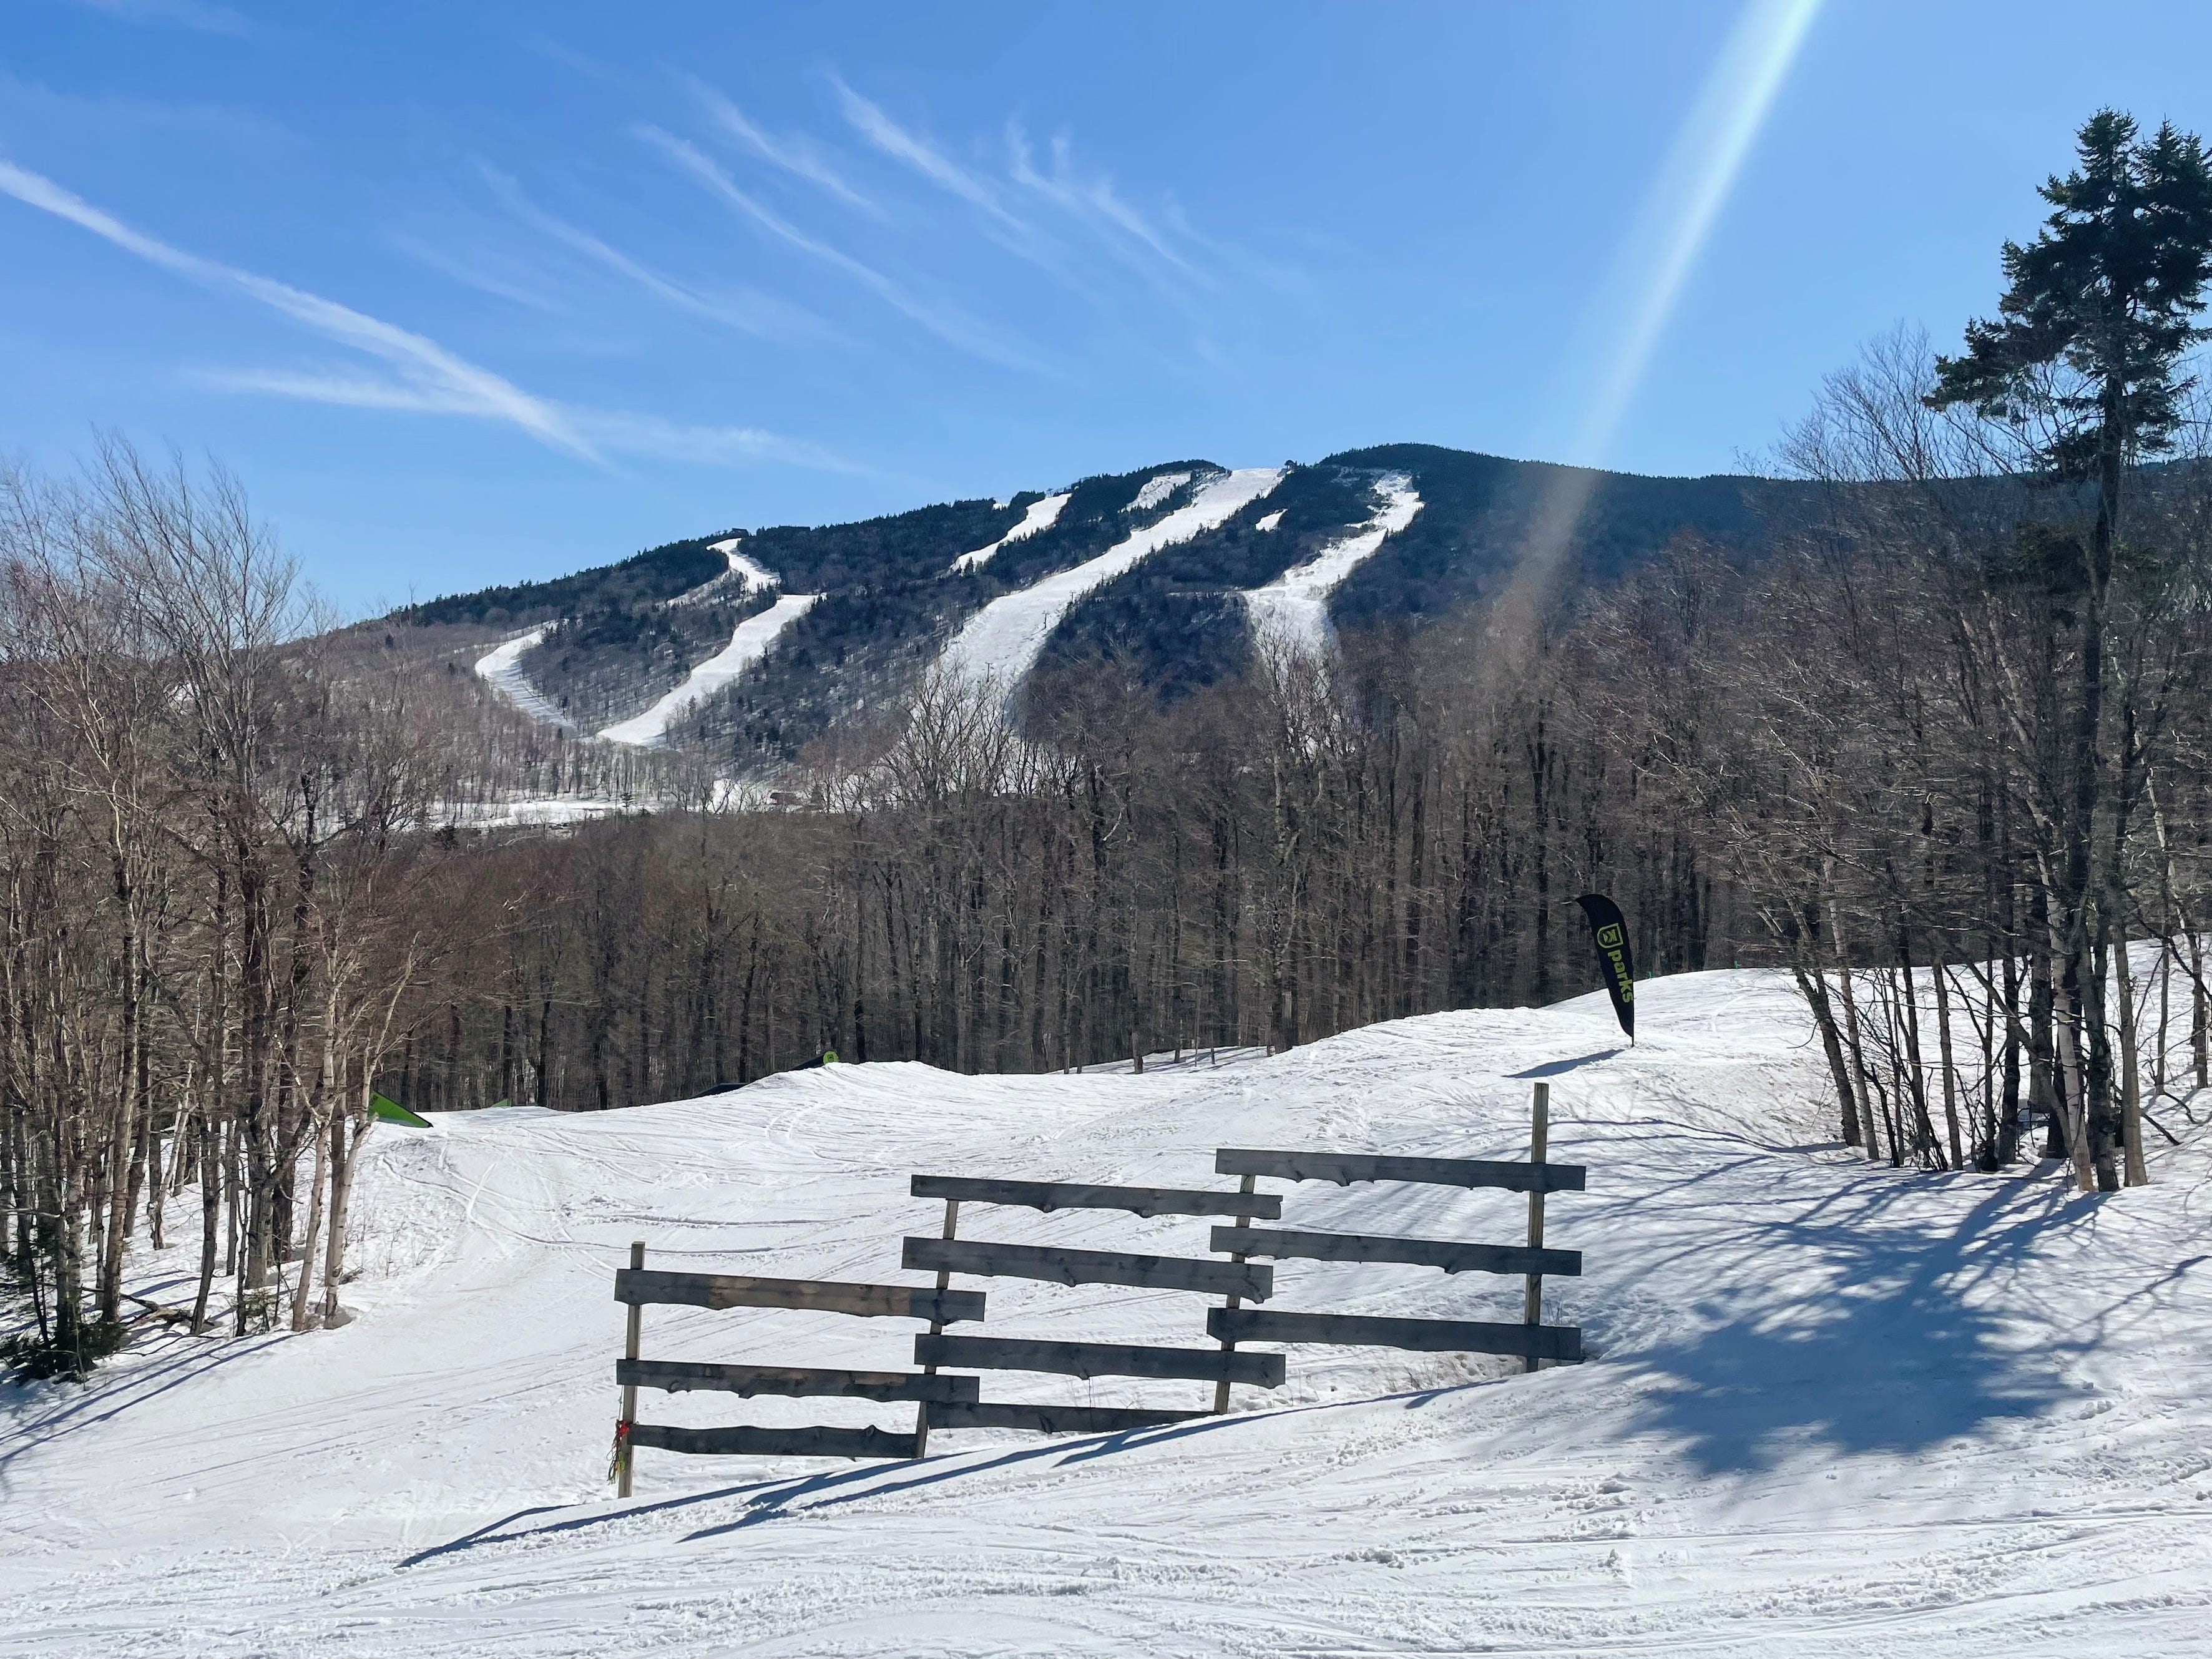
1294 607
748 642
1041 515
502 667
1001 642
744 569
1157 489
1830 1409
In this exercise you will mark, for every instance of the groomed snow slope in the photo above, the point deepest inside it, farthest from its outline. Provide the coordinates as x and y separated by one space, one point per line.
1294 607
1040 516
502 667
1001 642
1830 1409
750 642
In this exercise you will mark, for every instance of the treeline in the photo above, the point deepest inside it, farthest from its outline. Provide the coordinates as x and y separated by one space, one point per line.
217 912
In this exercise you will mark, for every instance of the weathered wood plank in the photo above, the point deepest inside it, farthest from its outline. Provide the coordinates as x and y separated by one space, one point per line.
1065 1267
1426 1335
638 1286
1054 1419
1344 1168
1452 1256
678 1375
1051 1195
996 1353
775 1443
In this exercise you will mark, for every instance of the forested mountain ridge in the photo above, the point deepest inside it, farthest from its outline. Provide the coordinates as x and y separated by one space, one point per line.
620 649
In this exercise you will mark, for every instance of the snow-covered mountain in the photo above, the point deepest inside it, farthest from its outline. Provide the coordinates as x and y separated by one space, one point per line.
743 645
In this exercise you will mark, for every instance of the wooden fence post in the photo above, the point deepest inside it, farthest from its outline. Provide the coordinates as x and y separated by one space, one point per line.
936 1328
1221 1389
623 1451
1540 1127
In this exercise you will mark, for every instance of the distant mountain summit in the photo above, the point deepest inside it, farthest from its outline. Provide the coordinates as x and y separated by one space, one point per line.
741 645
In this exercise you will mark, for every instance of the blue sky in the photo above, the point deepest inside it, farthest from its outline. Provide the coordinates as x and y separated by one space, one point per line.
475 294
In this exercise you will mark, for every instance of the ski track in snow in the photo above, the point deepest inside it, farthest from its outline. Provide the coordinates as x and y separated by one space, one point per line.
1001 642
1831 1410
748 644
1294 607
502 667
1041 515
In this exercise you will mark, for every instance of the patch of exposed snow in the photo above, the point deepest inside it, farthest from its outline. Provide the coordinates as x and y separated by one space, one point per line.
1271 520
1294 607
502 668
1157 488
753 575
534 811
1041 516
1001 642
1831 1410
748 645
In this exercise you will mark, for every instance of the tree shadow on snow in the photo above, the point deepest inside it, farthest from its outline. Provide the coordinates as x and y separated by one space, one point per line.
1881 1336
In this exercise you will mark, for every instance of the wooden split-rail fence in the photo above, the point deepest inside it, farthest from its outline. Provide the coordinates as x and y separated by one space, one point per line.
948 1399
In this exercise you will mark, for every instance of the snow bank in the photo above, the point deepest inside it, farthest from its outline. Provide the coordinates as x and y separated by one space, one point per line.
502 667
748 644
1040 516
1831 1409
1294 607
1001 642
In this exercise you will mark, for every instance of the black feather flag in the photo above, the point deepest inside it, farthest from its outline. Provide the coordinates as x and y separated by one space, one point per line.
1609 932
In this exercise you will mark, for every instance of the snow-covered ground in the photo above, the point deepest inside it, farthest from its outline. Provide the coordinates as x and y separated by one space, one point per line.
1001 642
750 642
1294 607
746 570
502 666
1829 1409
1040 516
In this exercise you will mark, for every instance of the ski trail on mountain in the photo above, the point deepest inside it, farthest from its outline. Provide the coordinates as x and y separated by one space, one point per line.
1041 516
748 645
752 574
1001 642
502 669
1294 607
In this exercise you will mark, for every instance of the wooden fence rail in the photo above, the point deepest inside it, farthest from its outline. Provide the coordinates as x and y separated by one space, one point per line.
774 1443
640 1287
1051 1195
1450 1254
1563 1342
1060 1266
676 1375
1344 1168
1087 1359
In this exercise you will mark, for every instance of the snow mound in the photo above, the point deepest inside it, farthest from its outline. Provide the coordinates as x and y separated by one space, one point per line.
1001 642
1831 1409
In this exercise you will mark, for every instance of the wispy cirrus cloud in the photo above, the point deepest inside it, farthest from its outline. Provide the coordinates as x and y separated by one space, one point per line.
795 155
870 120
423 376
948 323
1092 200
429 375
748 311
